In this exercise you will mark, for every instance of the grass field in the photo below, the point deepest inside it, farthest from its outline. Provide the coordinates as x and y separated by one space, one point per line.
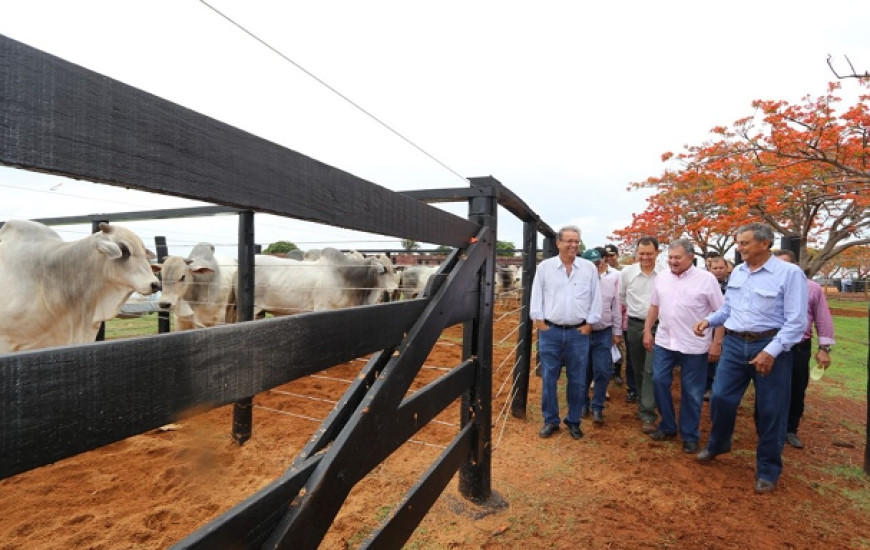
848 370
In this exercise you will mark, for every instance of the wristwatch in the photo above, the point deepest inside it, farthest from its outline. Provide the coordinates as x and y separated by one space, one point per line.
825 348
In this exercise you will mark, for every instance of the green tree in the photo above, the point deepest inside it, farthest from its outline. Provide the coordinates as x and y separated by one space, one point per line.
504 248
280 247
443 249
409 245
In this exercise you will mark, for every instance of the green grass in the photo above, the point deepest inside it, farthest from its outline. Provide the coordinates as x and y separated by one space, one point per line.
128 328
847 376
856 302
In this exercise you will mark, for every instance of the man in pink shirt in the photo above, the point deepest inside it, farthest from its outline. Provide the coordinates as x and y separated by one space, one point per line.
818 315
678 299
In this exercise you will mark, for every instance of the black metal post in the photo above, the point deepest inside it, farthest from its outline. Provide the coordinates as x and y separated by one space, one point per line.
793 243
163 323
101 334
523 362
475 473
243 409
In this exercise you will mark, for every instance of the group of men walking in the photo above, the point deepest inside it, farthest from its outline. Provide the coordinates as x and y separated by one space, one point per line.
752 326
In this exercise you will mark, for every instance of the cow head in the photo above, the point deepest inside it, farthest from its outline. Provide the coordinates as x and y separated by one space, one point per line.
178 283
388 280
127 259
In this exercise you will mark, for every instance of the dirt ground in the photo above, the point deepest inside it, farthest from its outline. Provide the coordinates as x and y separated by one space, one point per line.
615 488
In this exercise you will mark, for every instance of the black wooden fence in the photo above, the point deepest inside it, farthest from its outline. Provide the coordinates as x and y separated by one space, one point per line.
59 118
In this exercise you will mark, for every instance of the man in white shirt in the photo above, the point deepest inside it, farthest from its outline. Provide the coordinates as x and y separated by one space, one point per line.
565 303
635 287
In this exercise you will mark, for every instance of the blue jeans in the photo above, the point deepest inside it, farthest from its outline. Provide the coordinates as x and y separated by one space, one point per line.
772 393
559 347
693 378
600 342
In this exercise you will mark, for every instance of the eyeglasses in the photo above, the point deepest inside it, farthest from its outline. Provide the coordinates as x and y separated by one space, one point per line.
570 241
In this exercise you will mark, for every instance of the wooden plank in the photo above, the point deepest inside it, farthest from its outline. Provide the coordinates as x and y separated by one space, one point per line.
417 410
400 525
162 214
60 118
457 194
511 202
60 402
254 519
308 519
350 400
248 524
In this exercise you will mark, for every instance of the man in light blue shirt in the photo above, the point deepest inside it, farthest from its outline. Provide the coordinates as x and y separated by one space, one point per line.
765 314
565 302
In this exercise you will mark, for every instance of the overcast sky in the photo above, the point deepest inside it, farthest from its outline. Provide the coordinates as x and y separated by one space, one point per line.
564 102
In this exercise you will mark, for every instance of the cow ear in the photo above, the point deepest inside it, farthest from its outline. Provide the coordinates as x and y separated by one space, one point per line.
149 254
110 249
155 268
199 267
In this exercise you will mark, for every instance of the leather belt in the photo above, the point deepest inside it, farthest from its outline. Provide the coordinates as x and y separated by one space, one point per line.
565 327
752 336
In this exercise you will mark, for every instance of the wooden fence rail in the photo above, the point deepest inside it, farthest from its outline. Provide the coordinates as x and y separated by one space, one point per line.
60 118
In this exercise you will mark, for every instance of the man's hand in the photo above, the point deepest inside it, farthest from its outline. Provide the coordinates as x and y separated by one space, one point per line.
715 352
618 339
763 363
700 327
585 329
823 358
541 325
648 340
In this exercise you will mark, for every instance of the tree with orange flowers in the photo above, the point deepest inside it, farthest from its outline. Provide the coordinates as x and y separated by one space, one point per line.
855 260
803 168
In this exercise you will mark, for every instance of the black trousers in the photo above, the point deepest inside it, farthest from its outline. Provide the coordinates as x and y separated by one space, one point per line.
800 377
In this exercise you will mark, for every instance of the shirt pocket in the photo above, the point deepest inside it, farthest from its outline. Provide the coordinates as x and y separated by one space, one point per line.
764 300
579 292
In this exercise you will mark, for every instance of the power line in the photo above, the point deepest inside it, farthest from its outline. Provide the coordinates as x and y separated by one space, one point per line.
333 90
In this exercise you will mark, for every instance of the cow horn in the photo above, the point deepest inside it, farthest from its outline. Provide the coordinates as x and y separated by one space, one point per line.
105 227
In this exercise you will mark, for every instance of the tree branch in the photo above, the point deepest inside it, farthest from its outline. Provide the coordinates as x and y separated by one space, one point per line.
854 73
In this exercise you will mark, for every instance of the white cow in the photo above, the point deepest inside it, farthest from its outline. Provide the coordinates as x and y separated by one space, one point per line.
508 284
284 287
413 279
57 293
389 279
199 289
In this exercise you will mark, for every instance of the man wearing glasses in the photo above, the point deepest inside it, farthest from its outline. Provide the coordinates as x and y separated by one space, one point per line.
565 303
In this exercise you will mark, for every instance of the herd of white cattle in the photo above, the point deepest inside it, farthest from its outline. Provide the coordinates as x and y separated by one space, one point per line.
58 293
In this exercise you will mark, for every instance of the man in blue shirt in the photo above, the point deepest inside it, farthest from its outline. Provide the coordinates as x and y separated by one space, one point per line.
565 302
765 314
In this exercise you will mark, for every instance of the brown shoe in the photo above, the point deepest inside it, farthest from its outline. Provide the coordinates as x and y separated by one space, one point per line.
648 427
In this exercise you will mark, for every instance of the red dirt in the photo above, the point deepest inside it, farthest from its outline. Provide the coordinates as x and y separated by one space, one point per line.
615 488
